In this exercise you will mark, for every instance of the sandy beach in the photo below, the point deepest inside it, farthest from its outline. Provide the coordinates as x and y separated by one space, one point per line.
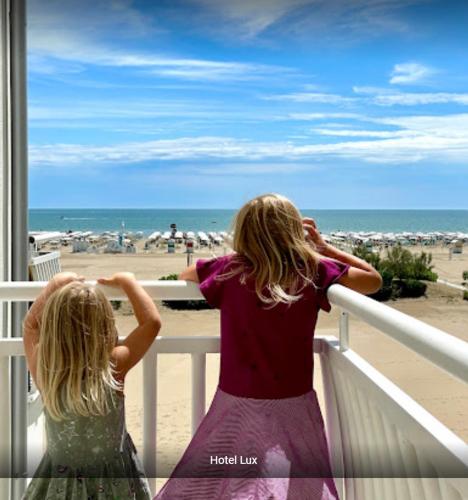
442 307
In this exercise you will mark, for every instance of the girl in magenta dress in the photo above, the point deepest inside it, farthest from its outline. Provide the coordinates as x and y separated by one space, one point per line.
263 436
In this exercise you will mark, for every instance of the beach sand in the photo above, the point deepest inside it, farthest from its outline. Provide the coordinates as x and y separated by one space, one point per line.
439 393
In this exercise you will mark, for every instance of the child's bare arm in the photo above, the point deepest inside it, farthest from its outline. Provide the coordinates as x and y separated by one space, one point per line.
31 324
133 348
361 276
189 274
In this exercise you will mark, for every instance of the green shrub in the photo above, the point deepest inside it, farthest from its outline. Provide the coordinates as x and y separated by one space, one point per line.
465 295
169 277
116 304
399 261
400 271
192 305
384 294
411 288
465 275
430 276
364 253
421 267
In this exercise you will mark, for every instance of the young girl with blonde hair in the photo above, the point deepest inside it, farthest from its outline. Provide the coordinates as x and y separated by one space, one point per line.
79 367
263 437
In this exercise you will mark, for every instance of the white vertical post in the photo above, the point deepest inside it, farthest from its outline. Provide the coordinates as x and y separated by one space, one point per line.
150 401
344 331
334 431
198 389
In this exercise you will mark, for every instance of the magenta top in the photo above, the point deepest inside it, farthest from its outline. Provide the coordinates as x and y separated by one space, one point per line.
265 353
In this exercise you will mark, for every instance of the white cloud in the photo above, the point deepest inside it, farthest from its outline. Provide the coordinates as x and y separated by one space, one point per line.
389 97
171 67
368 95
370 90
380 134
422 98
409 73
204 70
253 168
69 30
64 39
137 114
324 116
87 110
438 138
325 19
250 18
312 97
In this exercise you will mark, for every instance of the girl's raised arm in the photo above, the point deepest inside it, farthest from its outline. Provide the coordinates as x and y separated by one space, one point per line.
134 346
31 324
190 274
361 276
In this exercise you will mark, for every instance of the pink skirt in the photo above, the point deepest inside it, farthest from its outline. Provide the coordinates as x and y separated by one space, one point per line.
255 449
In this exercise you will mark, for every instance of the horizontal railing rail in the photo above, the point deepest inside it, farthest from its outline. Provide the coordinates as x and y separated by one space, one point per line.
160 290
445 351
194 344
442 349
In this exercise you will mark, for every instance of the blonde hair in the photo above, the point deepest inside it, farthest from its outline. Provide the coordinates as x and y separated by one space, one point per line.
271 248
74 365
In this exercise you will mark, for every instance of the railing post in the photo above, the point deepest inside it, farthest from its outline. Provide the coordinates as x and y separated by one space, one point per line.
198 389
332 416
344 331
150 401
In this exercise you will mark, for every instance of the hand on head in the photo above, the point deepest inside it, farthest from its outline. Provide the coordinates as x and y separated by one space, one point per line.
313 234
62 279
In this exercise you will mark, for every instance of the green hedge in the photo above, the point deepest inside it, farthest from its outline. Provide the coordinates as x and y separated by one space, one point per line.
411 288
401 272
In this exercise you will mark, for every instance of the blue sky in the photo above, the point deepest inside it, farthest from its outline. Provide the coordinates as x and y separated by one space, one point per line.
203 103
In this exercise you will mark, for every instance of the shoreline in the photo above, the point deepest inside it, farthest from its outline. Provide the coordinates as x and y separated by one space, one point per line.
148 220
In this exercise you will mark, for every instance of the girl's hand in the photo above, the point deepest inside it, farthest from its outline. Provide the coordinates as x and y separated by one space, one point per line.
118 279
313 234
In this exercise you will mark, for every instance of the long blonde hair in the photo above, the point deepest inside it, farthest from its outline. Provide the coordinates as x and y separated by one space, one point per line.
271 248
74 365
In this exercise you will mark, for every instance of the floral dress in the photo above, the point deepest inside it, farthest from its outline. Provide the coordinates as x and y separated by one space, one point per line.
89 458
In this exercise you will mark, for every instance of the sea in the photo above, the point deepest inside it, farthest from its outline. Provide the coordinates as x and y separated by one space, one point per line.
150 220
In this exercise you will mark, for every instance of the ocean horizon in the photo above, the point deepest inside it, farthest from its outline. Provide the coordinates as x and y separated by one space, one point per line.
148 220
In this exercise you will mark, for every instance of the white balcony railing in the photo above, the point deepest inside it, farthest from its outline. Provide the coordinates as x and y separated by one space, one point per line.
376 432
